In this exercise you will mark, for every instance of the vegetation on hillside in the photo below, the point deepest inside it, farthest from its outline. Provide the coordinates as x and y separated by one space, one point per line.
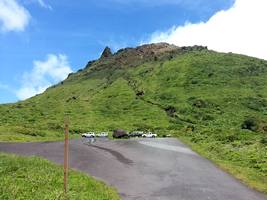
35 178
217 102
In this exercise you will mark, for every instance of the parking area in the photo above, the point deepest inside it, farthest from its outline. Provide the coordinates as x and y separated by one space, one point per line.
144 169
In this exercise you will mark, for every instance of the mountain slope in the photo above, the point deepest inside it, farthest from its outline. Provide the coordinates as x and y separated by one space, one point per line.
154 87
216 102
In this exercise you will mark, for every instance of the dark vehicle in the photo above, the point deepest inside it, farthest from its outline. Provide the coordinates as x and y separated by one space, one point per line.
136 134
120 134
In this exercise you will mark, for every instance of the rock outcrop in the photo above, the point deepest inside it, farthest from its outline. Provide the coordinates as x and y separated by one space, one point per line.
106 53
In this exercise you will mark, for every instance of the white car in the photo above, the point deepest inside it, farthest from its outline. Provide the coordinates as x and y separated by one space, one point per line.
149 135
102 134
89 135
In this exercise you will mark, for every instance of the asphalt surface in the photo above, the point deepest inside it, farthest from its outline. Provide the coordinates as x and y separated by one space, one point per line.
145 169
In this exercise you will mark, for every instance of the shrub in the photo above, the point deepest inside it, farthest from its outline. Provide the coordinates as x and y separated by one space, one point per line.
54 126
190 127
264 140
250 124
170 110
252 70
199 103
194 81
143 127
255 103
167 96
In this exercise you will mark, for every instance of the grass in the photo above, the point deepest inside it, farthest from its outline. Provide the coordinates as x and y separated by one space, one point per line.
239 166
217 102
36 178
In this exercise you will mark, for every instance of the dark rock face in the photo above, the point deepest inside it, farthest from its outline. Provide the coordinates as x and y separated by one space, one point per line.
90 63
131 57
106 53
194 48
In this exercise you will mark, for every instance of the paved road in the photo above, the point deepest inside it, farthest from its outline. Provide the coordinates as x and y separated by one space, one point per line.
145 169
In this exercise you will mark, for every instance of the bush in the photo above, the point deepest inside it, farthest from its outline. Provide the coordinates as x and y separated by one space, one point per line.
250 124
264 140
29 131
255 103
170 110
252 70
54 126
190 127
143 127
167 96
199 103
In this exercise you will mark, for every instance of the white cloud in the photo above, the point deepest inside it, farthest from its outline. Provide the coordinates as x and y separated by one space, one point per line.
13 16
44 74
44 5
240 29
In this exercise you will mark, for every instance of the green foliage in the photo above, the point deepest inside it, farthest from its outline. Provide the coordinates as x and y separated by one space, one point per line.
241 152
215 93
250 124
256 103
35 178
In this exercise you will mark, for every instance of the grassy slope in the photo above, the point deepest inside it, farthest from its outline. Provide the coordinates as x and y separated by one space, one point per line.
212 93
36 178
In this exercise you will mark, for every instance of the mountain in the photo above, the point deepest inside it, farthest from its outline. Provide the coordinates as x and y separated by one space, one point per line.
158 87
215 102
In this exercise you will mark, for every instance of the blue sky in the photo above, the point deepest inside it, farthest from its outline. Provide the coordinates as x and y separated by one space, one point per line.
70 33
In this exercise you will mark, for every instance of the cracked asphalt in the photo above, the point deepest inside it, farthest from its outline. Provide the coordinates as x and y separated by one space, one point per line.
144 169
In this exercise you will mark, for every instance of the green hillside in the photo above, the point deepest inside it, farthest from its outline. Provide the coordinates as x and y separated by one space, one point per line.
217 102
157 87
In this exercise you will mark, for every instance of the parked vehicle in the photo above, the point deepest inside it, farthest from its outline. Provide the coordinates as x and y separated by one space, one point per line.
136 134
149 135
102 134
164 135
89 135
120 134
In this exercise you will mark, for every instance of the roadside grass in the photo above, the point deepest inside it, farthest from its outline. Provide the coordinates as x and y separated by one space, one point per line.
14 134
248 163
34 178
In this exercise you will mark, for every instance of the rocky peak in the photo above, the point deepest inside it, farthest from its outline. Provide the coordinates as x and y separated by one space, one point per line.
131 57
106 53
